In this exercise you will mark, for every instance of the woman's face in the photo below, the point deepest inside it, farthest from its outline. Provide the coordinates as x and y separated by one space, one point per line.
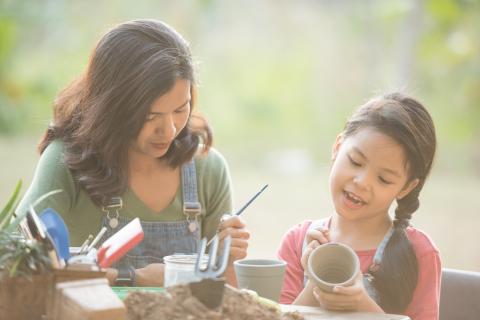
367 175
168 116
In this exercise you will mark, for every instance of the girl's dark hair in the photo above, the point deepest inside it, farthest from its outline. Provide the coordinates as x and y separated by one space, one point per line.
407 122
98 115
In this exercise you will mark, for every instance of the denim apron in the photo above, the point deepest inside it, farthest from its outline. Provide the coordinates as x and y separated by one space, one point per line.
377 258
161 238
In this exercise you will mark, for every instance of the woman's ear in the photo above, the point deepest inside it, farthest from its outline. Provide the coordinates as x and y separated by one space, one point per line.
336 145
408 187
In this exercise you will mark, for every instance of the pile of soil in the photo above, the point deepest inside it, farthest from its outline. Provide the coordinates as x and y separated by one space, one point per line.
178 303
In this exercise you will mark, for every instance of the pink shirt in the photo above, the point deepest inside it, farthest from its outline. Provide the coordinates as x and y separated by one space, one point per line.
425 302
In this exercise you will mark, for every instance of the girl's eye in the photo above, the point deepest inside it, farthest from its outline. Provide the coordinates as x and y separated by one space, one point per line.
356 164
150 117
382 180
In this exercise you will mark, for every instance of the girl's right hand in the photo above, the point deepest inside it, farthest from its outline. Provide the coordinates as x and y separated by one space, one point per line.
314 238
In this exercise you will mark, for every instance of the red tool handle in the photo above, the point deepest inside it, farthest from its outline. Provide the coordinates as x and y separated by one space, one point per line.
120 243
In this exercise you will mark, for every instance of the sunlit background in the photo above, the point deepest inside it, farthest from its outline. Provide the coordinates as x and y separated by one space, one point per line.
278 79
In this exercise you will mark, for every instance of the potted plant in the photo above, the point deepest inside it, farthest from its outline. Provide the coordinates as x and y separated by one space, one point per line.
27 277
24 268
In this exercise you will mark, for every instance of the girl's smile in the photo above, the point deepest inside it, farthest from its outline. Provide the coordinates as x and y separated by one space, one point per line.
352 201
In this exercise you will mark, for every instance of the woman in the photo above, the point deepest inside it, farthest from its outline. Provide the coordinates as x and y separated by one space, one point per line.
124 143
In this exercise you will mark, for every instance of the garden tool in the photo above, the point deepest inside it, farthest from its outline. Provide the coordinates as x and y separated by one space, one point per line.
39 232
210 289
115 247
58 231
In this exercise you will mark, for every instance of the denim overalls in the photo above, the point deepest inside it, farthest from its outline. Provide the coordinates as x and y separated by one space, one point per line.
377 258
160 238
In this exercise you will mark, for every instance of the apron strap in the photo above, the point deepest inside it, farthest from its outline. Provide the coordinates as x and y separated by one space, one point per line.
377 258
111 209
191 206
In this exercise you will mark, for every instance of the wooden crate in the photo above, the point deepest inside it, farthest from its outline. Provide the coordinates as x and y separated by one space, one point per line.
24 299
90 299
32 298
65 275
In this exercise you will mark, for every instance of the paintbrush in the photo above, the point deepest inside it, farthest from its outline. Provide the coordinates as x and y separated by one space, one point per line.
239 212
85 244
97 238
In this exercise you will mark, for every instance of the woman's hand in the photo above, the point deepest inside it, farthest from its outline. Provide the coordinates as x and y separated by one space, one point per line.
235 227
352 298
150 276
314 238
111 276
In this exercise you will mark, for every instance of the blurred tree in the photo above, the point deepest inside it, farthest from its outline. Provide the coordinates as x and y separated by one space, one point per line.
279 74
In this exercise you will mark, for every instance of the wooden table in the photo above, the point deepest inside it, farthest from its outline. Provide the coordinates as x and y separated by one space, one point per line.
313 313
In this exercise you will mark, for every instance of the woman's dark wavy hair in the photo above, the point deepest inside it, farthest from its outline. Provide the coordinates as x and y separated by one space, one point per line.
405 120
98 115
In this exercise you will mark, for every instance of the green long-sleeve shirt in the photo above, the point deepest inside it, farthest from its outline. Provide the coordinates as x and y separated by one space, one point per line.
83 217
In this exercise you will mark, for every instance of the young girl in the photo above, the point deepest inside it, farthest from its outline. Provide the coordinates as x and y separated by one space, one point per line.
384 154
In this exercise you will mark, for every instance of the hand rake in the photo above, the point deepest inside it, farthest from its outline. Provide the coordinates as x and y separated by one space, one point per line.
210 289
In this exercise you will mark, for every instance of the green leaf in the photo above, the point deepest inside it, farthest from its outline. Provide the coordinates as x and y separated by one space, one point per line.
14 225
7 211
445 11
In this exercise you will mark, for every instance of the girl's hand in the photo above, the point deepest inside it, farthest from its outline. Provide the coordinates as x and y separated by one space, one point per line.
314 239
352 298
235 227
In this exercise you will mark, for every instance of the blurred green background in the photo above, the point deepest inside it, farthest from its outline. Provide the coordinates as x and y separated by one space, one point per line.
278 79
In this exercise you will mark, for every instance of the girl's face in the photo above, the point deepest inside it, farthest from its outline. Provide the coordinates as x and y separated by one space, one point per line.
369 172
168 116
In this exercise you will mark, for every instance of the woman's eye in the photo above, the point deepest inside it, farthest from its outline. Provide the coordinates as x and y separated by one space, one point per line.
182 110
356 164
150 117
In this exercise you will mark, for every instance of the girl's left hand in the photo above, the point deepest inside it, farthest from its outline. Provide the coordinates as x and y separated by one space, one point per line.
352 298
235 227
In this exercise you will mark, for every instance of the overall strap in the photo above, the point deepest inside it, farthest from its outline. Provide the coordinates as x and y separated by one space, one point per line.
191 206
112 207
377 258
